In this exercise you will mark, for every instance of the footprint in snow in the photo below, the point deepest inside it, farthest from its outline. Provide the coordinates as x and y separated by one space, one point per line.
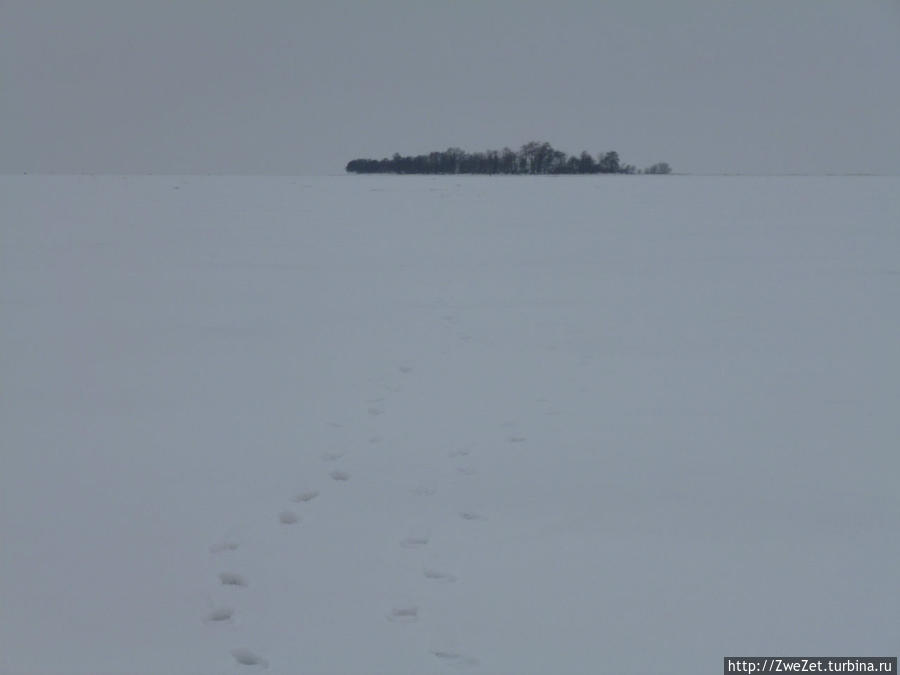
224 546
455 659
288 517
461 452
407 614
247 658
516 439
219 615
437 575
466 470
332 455
469 515
339 475
375 410
305 496
415 541
232 579
405 368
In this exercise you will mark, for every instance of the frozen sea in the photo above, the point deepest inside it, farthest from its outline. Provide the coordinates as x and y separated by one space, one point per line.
388 424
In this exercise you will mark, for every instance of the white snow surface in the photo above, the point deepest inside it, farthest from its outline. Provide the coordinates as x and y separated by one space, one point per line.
527 425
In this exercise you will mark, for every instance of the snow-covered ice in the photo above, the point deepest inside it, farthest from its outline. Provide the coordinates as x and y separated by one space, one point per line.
568 425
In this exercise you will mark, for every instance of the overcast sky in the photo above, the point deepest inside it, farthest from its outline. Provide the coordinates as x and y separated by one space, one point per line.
294 86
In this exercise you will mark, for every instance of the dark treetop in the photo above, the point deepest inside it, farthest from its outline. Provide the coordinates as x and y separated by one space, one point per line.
532 158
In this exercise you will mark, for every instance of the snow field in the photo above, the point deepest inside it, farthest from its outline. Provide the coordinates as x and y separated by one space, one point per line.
422 425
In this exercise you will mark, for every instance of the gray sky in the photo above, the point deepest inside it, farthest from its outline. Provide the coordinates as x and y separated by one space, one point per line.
271 86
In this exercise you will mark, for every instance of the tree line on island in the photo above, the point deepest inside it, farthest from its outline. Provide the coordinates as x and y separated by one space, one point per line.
532 158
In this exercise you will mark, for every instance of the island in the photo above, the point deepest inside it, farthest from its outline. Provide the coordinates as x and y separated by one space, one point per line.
532 158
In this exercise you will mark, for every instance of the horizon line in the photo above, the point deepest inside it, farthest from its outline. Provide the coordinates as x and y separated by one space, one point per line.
438 175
